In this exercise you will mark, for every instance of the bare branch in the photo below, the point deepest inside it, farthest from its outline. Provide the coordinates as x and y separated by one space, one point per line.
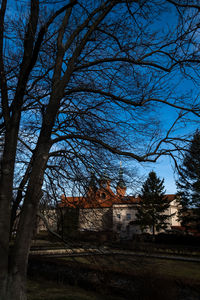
185 5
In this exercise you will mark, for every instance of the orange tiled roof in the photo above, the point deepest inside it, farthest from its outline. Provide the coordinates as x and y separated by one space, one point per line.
97 201
81 202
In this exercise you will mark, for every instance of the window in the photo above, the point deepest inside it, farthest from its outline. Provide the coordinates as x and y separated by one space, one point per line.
128 216
118 216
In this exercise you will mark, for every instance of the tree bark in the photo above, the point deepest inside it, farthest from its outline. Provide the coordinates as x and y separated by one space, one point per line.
16 287
6 184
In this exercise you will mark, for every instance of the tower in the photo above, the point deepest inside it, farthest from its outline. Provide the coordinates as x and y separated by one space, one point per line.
105 181
92 188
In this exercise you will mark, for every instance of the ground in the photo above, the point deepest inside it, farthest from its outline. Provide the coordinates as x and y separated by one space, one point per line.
49 290
112 276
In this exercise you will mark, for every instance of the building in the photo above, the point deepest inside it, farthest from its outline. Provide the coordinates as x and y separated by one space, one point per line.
103 210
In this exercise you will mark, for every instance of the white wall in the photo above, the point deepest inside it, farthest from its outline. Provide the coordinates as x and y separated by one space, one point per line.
123 214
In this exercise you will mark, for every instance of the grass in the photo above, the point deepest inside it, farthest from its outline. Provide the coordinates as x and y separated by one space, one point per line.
178 270
46 290
154 279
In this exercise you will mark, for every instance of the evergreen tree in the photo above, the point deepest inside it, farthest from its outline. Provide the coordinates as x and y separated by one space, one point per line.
188 185
152 211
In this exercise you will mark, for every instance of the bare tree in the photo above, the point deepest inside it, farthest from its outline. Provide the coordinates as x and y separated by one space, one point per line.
77 78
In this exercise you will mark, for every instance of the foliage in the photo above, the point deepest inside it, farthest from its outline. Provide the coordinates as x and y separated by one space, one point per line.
152 210
188 185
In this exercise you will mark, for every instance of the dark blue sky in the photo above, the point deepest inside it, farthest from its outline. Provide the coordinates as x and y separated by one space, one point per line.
178 84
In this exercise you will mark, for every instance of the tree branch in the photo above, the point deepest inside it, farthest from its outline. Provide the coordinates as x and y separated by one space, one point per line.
3 81
184 5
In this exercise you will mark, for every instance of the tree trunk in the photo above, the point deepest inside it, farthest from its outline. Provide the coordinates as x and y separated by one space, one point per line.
16 287
6 186
19 197
20 251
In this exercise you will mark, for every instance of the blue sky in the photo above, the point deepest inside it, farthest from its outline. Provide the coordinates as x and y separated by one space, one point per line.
163 166
163 169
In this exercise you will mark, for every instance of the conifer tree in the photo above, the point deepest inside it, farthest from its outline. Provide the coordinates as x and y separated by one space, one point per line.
188 185
152 211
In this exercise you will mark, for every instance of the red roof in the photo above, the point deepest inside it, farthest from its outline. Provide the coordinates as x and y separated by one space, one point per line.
103 198
82 202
